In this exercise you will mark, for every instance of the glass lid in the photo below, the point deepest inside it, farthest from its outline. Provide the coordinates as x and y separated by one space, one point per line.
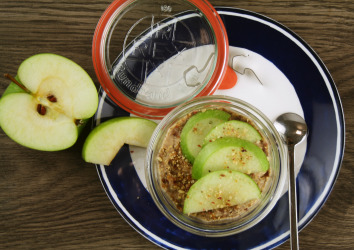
151 56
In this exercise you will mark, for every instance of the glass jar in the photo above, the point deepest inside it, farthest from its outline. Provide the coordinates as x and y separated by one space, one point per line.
277 163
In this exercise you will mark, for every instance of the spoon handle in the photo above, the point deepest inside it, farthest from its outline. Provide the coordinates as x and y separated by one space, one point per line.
294 239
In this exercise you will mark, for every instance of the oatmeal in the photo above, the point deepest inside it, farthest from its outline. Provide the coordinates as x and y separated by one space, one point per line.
175 172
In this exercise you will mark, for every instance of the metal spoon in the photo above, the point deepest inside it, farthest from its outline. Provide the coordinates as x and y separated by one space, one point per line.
293 130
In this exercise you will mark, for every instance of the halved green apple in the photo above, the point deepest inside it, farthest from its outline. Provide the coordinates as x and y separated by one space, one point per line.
230 154
196 128
220 189
105 140
52 101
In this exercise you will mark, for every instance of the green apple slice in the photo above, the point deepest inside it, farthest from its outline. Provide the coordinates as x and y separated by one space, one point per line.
220 189
230 154
233 128
105 140
52 99
196 128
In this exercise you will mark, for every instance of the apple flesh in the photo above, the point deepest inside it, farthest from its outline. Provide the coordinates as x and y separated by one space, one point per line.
196 128
56 99
220 189
105 140
230 154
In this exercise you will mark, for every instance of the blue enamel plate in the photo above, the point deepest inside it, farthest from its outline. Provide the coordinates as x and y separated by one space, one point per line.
322 109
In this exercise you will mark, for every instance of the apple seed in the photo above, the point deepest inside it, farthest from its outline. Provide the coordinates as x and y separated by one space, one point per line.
41 109
52 98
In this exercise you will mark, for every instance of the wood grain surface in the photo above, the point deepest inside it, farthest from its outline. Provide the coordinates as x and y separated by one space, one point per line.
54 200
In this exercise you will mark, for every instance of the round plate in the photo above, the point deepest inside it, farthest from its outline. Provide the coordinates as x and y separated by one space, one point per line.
325 144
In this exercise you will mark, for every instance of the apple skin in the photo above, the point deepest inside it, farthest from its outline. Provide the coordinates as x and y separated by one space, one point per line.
105 140
59 128
196 128
12 88
233 128
230 154
220 189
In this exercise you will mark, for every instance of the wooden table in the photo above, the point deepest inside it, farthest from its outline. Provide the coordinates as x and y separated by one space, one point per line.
55 199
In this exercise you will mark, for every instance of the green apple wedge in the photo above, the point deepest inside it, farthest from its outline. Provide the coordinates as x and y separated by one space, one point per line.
220 189
230 154
233 128
196 128
105 140
47 103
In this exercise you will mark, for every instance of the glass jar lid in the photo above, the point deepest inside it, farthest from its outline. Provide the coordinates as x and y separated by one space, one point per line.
151 56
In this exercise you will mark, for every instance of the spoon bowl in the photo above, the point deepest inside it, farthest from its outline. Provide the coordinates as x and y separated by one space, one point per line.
291 127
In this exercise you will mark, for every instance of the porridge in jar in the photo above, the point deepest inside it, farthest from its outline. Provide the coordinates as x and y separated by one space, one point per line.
213 164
